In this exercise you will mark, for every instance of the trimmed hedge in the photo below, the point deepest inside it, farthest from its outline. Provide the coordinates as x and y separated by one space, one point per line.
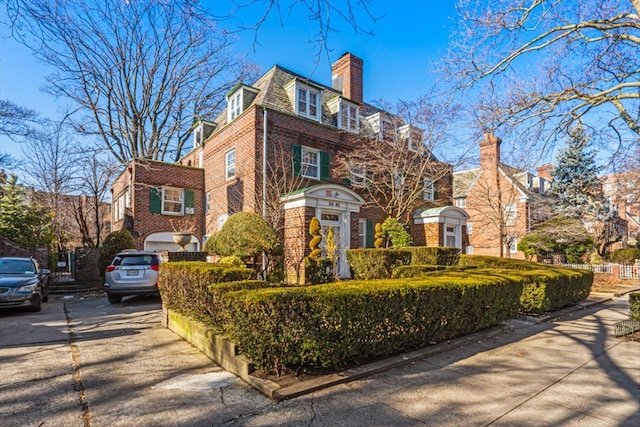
368 264
634 305
193 288
422 255
406 271
339 323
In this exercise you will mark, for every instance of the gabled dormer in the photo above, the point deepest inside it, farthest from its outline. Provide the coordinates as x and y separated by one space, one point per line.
345 113
305 98
201 131
384 126
238 99
412 136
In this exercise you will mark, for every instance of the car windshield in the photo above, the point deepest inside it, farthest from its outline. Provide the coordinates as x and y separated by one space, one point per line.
16 266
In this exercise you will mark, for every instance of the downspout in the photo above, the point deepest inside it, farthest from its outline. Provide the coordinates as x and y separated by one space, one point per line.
264 182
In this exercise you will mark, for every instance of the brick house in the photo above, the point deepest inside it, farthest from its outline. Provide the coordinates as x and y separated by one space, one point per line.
302 126
623 192
503 202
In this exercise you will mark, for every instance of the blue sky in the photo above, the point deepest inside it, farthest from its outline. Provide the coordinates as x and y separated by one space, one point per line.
409 35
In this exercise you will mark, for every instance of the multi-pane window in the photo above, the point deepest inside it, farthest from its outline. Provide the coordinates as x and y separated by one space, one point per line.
308 102
207 202
428 190
512 241
235 105
461 202
230 163
310 163
172 201
349 117
510 214
469 228
221 220
362 233
120 204
358 177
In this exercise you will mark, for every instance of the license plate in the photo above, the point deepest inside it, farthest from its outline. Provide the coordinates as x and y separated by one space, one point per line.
132 272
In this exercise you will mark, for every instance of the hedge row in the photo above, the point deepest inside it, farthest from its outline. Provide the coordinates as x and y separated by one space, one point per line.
194 288
368 264
422 255
339 323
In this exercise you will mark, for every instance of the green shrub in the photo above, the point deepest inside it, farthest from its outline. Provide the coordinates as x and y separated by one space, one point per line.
634 305
406 271
231 261
376 263
318 270
185 287
379 236
314 244
115 242
340 323
625 256
422 255
396 233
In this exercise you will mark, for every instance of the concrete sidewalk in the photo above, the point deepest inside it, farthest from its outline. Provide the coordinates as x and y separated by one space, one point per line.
570 370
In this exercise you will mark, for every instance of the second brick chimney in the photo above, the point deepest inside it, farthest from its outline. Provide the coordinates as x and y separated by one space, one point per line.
346 76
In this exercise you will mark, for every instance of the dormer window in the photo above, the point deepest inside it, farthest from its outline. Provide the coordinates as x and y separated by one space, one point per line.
348 118
308 102
234 105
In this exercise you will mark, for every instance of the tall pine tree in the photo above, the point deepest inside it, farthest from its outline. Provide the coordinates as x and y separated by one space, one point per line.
575 180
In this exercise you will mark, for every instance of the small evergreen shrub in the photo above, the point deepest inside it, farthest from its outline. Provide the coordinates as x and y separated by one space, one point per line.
396 233
231 261
379 236
376 263
634 306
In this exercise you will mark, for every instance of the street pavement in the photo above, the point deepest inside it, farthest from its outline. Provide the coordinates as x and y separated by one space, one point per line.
85 362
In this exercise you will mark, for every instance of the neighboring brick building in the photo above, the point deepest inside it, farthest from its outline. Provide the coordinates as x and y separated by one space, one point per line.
503 203
623 192
303 126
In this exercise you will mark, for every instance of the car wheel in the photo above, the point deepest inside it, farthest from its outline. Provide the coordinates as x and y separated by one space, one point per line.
36 305
114 299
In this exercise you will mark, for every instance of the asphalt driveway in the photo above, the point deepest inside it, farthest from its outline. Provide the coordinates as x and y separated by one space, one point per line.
85 362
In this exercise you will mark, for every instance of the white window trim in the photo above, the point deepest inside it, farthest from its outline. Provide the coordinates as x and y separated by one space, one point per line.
461 202
207 202
349 109
362 233
304 149
510 214
429 190
308 91
234 105
513 246
221 220
230 169
163 200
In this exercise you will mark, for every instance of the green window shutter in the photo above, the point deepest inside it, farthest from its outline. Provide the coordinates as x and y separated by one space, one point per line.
296 156
155 200
346 181
189 202
325 171
370 233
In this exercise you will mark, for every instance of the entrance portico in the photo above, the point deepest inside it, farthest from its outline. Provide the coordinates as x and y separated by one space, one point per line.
335 206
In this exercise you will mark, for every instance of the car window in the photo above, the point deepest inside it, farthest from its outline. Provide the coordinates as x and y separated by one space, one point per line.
16 266
136 260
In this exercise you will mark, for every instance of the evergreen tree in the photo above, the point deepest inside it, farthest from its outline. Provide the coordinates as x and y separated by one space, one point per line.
575 180
22 220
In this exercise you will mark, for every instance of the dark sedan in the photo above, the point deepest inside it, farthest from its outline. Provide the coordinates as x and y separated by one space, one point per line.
23 284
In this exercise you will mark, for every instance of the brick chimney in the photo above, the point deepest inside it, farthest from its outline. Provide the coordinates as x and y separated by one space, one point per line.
544 171
490 151
346 76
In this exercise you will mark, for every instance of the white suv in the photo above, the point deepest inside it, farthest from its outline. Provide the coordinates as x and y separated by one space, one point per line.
132 272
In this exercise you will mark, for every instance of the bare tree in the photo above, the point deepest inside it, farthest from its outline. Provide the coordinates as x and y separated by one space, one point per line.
139 72
17 121
50 166
539 66
91 211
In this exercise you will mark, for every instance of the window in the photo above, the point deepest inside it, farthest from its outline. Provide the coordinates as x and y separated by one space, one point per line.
308 103
362 233
120 204
358 177
234 105
230 162
310 163
512 242
461 202
349 119
428 190
172 201
469 250
510 214
221 220
201 158
469 228
207 202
